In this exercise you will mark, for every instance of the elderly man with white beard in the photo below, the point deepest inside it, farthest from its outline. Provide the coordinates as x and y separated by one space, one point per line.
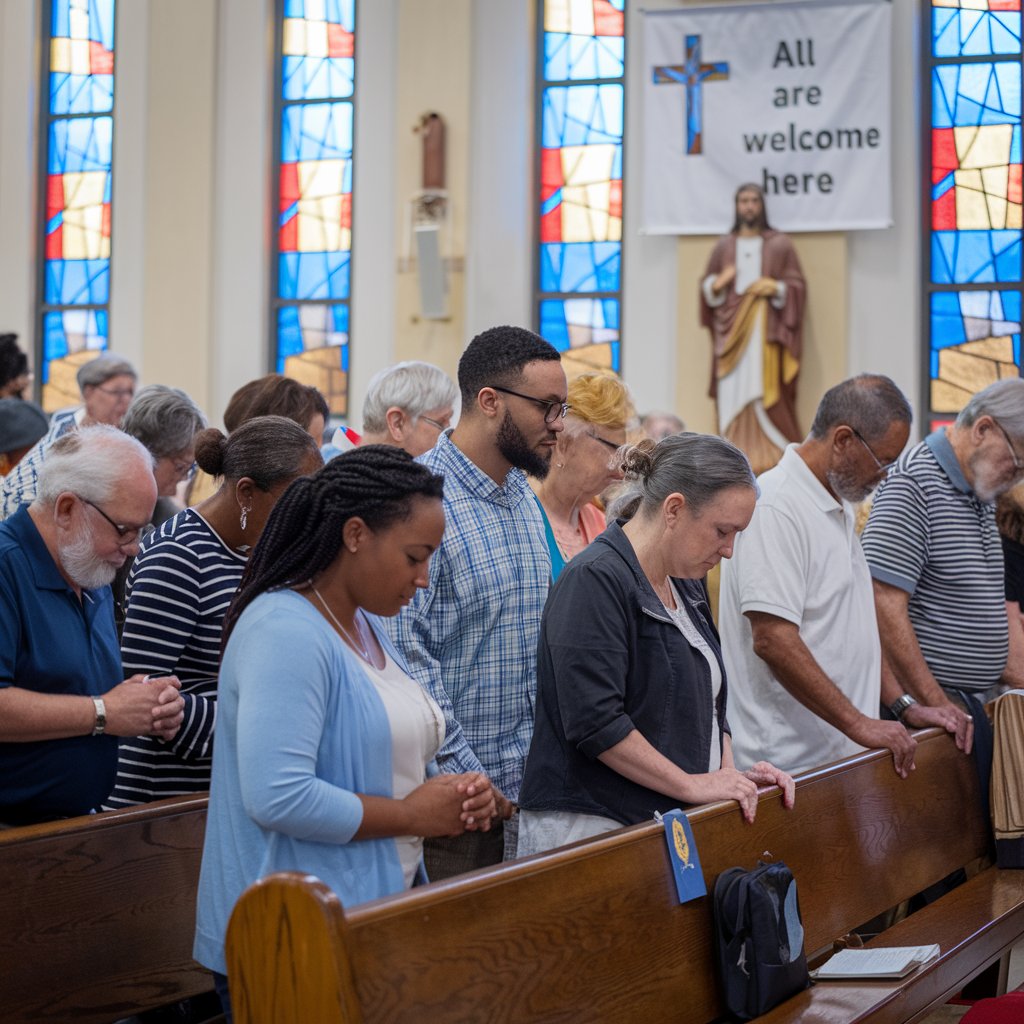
62 701
803 657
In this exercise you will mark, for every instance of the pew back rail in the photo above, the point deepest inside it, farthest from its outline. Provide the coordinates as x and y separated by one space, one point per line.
594 930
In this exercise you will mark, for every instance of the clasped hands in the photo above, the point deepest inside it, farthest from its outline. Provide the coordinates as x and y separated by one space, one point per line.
448 805
143 706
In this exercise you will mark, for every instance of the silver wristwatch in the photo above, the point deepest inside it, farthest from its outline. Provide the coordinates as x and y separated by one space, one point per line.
899 706
100 725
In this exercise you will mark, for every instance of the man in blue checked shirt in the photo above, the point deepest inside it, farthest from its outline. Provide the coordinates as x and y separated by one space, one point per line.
471 637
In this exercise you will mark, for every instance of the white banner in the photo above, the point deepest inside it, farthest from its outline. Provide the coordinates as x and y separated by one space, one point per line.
793 97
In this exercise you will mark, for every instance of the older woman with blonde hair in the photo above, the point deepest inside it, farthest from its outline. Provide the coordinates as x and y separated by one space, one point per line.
584 464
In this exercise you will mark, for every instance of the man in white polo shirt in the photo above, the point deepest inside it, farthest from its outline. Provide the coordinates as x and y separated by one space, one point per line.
797 616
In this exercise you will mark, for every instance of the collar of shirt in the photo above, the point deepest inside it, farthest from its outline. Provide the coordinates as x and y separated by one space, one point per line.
447 458
938 444
794 466
44 570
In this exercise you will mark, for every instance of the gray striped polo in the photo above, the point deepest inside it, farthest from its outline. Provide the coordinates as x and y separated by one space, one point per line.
930 535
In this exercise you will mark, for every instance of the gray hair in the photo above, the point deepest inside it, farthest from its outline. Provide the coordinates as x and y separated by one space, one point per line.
164 419
414 387
1003 401
102 368
697 466
91 462
869 404
267 449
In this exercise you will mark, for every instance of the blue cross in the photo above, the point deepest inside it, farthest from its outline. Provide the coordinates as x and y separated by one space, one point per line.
691 75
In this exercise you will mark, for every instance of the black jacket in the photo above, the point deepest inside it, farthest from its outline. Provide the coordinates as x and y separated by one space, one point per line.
610 660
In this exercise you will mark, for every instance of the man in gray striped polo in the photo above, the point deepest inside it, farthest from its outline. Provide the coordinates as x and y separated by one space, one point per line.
936 560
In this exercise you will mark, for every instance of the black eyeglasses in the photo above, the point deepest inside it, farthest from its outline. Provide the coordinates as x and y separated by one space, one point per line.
1018 466
125 534
434 423
552 410
608 444
883 466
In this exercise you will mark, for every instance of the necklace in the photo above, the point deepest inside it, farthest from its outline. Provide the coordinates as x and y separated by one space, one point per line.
352 641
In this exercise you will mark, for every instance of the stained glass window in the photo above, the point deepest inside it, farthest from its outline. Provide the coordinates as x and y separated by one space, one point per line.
580 115
74 288
312 288
973 307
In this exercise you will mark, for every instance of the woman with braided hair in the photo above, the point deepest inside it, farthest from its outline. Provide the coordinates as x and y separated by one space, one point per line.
323 739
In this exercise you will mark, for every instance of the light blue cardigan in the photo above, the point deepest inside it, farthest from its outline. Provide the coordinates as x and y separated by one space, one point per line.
300 730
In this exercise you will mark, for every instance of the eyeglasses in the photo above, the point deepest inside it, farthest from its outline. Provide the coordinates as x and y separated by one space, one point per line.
552 410
116 392
608 444
183 469
882 466
1018 466
125 534
435 423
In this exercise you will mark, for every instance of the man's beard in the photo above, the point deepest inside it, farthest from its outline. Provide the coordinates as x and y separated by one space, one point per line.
848 487
987 485
81 564
516 449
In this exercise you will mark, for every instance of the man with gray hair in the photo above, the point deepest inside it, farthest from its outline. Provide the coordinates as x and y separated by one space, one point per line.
62 703
797 617
936 560
408 405
107 384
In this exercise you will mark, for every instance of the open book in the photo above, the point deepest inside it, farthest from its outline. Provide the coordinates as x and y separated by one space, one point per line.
885 962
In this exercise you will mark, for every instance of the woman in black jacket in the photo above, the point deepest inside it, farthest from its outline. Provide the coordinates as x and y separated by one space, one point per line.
631 689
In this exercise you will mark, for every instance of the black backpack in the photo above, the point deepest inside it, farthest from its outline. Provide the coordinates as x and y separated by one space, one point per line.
760 938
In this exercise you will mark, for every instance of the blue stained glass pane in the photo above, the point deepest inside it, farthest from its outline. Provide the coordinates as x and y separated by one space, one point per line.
289 335
314 78
960 257
60 18
957 33
101 22
969 94
82 144
947 323
77 282
576 115
313 275
319 131
580 267
306 327
568 56
72 330
80 94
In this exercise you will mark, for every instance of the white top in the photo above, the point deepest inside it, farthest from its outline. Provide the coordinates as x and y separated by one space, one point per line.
694 638
801 560
417 732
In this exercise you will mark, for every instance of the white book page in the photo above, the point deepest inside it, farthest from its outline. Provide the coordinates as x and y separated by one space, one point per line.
864 963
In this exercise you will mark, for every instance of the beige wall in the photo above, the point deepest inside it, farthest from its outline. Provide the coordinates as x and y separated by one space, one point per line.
435 62
823 256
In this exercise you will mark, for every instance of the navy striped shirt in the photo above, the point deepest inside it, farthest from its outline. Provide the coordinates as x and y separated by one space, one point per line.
178 593
930 535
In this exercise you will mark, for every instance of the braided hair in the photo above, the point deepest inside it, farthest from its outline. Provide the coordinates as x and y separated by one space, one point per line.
303 535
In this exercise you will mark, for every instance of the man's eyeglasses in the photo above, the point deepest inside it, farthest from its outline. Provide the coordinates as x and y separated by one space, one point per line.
608 444
882 466
116 392
125 534
552 410
1018 466
435 423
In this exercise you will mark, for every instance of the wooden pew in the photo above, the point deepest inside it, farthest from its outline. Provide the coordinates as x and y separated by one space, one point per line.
98 913
594 932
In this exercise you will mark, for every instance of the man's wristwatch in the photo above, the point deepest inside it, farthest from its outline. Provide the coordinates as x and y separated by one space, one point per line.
899 706
100 725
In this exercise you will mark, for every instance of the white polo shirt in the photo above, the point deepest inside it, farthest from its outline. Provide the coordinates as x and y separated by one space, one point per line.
801 560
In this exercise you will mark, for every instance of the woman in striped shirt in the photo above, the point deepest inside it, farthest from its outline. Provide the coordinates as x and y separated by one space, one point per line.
180 587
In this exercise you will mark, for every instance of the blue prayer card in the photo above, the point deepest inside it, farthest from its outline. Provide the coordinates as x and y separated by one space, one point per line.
682 851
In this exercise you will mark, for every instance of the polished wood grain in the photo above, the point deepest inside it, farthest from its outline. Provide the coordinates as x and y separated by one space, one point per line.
97 914
593 932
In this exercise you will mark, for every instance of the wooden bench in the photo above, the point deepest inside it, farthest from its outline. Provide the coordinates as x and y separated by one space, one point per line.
97 914
593 932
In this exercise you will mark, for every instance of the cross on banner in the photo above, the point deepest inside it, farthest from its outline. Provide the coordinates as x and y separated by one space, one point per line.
691 75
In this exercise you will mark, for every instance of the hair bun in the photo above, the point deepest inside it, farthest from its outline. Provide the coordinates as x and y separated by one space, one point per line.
210 445
638 460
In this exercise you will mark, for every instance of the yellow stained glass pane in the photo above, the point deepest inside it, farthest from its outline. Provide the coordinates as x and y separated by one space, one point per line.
983 146
319 178
319 226
556 16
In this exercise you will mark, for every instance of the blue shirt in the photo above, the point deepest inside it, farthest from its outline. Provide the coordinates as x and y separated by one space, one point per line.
471 636
300 731
52 642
